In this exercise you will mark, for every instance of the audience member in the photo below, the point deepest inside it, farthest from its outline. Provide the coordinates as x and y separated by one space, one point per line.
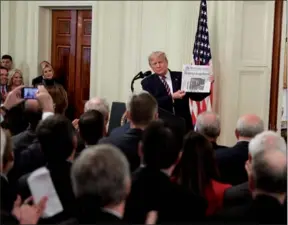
241 194
7 62
3 83
268 184
141 110
231 161
152 188
39 79
197 171
208 124
16 79
91 127
101 183
57 139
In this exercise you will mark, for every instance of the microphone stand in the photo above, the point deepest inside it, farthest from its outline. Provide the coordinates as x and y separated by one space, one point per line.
138 76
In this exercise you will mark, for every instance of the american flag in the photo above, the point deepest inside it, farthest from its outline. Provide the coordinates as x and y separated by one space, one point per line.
202 56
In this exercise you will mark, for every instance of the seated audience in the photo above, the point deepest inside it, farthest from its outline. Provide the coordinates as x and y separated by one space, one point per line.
57 139
231 161
12 211
208 124
3 83
101 183
15 80
91 127
7 62
268 184
152 188
197 171
241 194
141 110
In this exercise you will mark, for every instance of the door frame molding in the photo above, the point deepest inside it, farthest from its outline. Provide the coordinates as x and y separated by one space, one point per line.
34 16
277 67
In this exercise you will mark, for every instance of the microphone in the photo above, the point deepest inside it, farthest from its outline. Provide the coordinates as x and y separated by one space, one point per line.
139 75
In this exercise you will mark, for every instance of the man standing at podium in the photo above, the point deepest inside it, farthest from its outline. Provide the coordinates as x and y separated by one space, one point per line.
165 86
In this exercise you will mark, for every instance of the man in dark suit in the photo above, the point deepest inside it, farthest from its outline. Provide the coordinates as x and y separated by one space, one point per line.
3 83
141 110
241 194
268 184
231 161
57 139
152 188
208 124
165 86
101 181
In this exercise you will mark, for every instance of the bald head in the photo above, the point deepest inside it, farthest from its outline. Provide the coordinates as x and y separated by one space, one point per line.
208 124
269 171
32 105
99 104
248 126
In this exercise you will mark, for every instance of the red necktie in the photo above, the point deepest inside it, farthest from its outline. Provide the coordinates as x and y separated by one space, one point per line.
3 90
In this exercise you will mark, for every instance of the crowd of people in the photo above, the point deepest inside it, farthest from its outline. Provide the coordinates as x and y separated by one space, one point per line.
143 172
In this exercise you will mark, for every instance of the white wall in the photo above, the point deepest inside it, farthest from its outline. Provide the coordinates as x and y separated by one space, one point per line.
125 32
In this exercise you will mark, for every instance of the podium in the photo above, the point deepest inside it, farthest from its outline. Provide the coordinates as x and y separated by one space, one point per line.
176 123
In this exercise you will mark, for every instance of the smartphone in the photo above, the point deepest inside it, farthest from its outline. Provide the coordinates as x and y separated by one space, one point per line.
29 92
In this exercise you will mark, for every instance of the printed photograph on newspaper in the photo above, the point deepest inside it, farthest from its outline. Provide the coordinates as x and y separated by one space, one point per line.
195 78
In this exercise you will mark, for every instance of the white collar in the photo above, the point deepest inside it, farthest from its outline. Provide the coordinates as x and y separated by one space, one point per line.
113 212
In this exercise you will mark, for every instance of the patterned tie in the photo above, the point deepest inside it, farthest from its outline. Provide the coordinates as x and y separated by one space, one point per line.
163 79
3 91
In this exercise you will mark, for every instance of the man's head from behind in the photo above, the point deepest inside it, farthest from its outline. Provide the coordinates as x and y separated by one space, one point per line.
208 124
248 126
142 108
33 112
159 146
269 174
102 172
158 62
91 126
99 104
57 138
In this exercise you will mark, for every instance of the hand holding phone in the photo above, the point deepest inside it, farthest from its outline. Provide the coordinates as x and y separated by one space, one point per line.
29 92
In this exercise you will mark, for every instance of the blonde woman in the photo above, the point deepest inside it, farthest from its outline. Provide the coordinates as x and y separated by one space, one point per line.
16 79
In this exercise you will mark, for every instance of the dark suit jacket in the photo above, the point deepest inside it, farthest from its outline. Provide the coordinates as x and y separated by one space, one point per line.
118 131
155 87
216 146
8 194
97 216
128 143
39 81
262 210
231 163
22 140
153 190
60 175
237 195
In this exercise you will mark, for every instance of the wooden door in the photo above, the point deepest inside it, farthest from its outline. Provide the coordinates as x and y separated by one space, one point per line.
70 57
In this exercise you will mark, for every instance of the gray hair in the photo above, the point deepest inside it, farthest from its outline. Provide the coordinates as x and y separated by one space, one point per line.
99 104
208 124
249 126
101 171
267 140
269 171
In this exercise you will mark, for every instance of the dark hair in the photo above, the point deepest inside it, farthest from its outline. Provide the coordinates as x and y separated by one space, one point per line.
197 165
142 108
91 126
159 146
59 96
7 57
3 68
56 136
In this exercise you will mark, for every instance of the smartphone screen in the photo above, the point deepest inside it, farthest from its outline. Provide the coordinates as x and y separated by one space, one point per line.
29 92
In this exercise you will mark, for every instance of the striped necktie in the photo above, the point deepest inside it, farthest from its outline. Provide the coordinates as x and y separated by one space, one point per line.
163 79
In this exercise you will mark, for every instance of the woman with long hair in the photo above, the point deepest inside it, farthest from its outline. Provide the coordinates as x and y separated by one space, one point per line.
197 171
15 80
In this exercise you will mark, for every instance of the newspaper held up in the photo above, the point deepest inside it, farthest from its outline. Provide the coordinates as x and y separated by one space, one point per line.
195 78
